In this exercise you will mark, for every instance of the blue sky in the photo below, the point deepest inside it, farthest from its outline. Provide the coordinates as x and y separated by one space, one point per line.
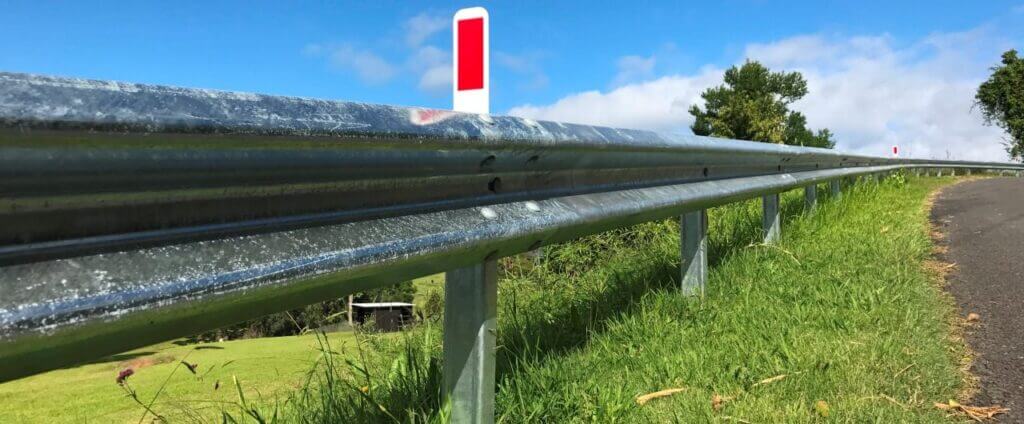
547 57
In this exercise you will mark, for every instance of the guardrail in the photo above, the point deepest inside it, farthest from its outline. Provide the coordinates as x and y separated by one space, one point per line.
134 214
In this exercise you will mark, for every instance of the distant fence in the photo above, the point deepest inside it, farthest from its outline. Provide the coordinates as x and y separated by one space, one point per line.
133 214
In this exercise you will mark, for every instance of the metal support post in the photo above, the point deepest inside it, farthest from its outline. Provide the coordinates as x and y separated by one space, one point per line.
470 315
810 197
694 243
837 188
770 219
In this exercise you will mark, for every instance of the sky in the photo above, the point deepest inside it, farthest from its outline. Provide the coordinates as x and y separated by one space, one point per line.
879 72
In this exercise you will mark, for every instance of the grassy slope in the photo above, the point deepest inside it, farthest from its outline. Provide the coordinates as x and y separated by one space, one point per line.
267 368
843 307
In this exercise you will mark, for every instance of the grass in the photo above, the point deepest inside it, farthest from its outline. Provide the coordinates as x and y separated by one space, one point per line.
842 308
839 321
268 370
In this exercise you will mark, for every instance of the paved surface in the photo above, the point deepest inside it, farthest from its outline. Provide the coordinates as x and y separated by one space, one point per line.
984 225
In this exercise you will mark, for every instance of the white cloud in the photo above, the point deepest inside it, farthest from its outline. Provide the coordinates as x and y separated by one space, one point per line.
870 91
633 68
420 27
526 65
437 80
660 104
368 66
434 66
874 95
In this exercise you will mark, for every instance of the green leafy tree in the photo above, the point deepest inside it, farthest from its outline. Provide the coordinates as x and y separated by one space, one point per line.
753 104
1001 99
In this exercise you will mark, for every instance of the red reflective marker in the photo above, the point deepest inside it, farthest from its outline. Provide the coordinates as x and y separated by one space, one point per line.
471 54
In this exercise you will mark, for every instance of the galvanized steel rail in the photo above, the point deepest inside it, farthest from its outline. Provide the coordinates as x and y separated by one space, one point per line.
133 214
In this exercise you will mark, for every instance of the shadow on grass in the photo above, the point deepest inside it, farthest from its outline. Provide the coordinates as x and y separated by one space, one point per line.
120 357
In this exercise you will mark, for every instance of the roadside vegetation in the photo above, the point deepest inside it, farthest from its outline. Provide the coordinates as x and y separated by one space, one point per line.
840 321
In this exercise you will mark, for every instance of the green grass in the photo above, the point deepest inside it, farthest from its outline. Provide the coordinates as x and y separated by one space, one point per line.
268 370
842 307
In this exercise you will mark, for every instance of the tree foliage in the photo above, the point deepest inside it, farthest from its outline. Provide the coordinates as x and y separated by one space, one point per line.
753 104
1001 99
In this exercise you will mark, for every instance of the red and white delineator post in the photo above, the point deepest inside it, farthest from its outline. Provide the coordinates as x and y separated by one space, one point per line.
471 293
471 51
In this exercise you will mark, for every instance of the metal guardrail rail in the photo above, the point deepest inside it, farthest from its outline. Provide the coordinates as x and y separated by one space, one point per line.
132 214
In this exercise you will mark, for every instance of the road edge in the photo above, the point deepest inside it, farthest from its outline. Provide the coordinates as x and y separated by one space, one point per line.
938 266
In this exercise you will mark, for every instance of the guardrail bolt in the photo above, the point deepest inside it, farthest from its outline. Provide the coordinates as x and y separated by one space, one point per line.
770 219
470 315
693 228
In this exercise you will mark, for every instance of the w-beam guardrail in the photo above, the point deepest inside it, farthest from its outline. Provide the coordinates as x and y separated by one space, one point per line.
133 214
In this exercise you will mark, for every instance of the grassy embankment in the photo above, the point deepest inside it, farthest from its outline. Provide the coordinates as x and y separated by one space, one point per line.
840 321
840 318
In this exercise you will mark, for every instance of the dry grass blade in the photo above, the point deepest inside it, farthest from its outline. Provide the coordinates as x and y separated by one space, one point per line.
739 420
717 401
640 400
977 413
770 380
903 370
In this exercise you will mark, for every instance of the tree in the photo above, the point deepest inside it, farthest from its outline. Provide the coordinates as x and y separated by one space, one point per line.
1001 99
753 104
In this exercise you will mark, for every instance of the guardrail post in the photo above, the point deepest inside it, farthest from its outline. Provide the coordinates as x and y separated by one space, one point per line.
837 188
470 317
694 243
770 219
810 197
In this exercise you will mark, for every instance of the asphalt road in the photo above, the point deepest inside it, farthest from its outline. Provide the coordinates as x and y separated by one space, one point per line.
984 225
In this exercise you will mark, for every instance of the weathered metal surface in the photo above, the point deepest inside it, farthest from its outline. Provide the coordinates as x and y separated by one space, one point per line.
470 319
836 186
91 166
